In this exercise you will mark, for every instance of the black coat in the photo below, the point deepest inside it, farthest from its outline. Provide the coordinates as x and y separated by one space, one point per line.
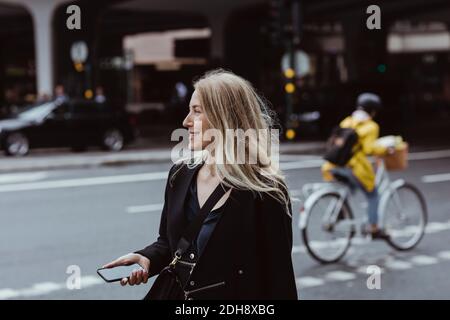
248 255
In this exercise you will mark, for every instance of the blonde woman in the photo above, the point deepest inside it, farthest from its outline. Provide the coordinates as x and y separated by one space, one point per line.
243 249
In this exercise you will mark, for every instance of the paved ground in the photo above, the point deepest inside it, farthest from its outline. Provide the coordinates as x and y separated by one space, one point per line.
51 220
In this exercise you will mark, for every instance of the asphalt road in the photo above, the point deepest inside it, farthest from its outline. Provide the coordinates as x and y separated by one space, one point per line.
54 220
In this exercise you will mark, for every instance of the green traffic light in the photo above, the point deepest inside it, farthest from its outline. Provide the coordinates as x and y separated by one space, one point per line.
381 68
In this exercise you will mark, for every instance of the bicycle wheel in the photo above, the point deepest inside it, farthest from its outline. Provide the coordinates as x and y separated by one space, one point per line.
405 217
326 240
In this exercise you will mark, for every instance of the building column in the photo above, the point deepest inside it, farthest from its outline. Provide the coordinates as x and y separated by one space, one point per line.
217 25
42 14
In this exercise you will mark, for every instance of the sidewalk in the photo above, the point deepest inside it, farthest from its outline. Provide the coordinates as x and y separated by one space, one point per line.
57 159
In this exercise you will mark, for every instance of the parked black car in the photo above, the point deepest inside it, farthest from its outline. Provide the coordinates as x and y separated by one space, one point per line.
72 123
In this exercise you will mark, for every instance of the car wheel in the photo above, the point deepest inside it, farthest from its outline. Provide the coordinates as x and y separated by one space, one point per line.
113 140
16 144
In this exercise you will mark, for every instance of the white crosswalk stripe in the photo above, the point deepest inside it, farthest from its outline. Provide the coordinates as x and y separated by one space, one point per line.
444 255
340 276
398 265
44 288
307 282
424 260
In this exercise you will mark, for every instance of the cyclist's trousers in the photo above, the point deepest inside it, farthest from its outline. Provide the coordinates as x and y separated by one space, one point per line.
372 197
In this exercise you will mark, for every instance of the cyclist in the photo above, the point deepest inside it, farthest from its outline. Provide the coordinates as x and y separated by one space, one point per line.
358 172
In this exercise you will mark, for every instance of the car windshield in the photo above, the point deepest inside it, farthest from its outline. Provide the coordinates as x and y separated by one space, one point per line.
37 111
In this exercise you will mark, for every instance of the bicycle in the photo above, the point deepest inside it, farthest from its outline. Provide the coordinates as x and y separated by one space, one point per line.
328 224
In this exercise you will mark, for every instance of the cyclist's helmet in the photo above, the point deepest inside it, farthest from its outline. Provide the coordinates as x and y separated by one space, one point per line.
369 102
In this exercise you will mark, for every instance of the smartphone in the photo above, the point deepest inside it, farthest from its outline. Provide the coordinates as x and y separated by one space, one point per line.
117 273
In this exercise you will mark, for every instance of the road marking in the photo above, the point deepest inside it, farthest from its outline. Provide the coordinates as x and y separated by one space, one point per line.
429 155
432 178
391 264
45 288
104 180
162 175
313 163
424 260
83 182
8 294
157 207
434 227
398 265
316 163
340 276
444 255
23 177
296 157
307 282
298 249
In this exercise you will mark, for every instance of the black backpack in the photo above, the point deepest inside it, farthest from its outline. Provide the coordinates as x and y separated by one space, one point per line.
340 146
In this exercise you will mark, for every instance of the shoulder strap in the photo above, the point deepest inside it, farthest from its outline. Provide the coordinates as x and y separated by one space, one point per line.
194 227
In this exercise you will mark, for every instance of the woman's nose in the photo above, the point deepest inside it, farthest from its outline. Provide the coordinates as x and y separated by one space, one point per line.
187 122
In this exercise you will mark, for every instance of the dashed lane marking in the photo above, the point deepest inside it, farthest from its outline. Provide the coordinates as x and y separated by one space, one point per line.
432 178
157 207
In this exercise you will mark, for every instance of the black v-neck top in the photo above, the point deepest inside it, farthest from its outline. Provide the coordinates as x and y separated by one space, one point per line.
192 208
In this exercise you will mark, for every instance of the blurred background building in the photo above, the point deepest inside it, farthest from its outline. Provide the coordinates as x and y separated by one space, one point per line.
144 55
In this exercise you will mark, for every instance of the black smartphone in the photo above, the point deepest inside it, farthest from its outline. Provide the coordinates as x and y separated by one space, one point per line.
117 273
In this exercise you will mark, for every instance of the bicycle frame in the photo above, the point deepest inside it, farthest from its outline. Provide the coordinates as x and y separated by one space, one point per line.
314 191
385 189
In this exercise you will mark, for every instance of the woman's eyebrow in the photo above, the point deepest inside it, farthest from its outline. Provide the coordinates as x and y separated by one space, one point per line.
195 106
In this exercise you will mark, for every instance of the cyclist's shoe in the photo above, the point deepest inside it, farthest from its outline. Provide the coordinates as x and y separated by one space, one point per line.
328 227
379 235
375 235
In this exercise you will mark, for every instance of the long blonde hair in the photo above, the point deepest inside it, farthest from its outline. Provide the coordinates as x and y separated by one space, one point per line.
231 102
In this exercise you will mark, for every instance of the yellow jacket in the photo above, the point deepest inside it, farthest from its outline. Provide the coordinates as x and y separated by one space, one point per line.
368 132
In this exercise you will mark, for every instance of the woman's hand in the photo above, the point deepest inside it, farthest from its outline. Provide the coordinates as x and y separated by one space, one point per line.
137 276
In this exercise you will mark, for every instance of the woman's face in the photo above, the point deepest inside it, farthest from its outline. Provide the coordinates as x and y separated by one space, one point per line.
196 123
